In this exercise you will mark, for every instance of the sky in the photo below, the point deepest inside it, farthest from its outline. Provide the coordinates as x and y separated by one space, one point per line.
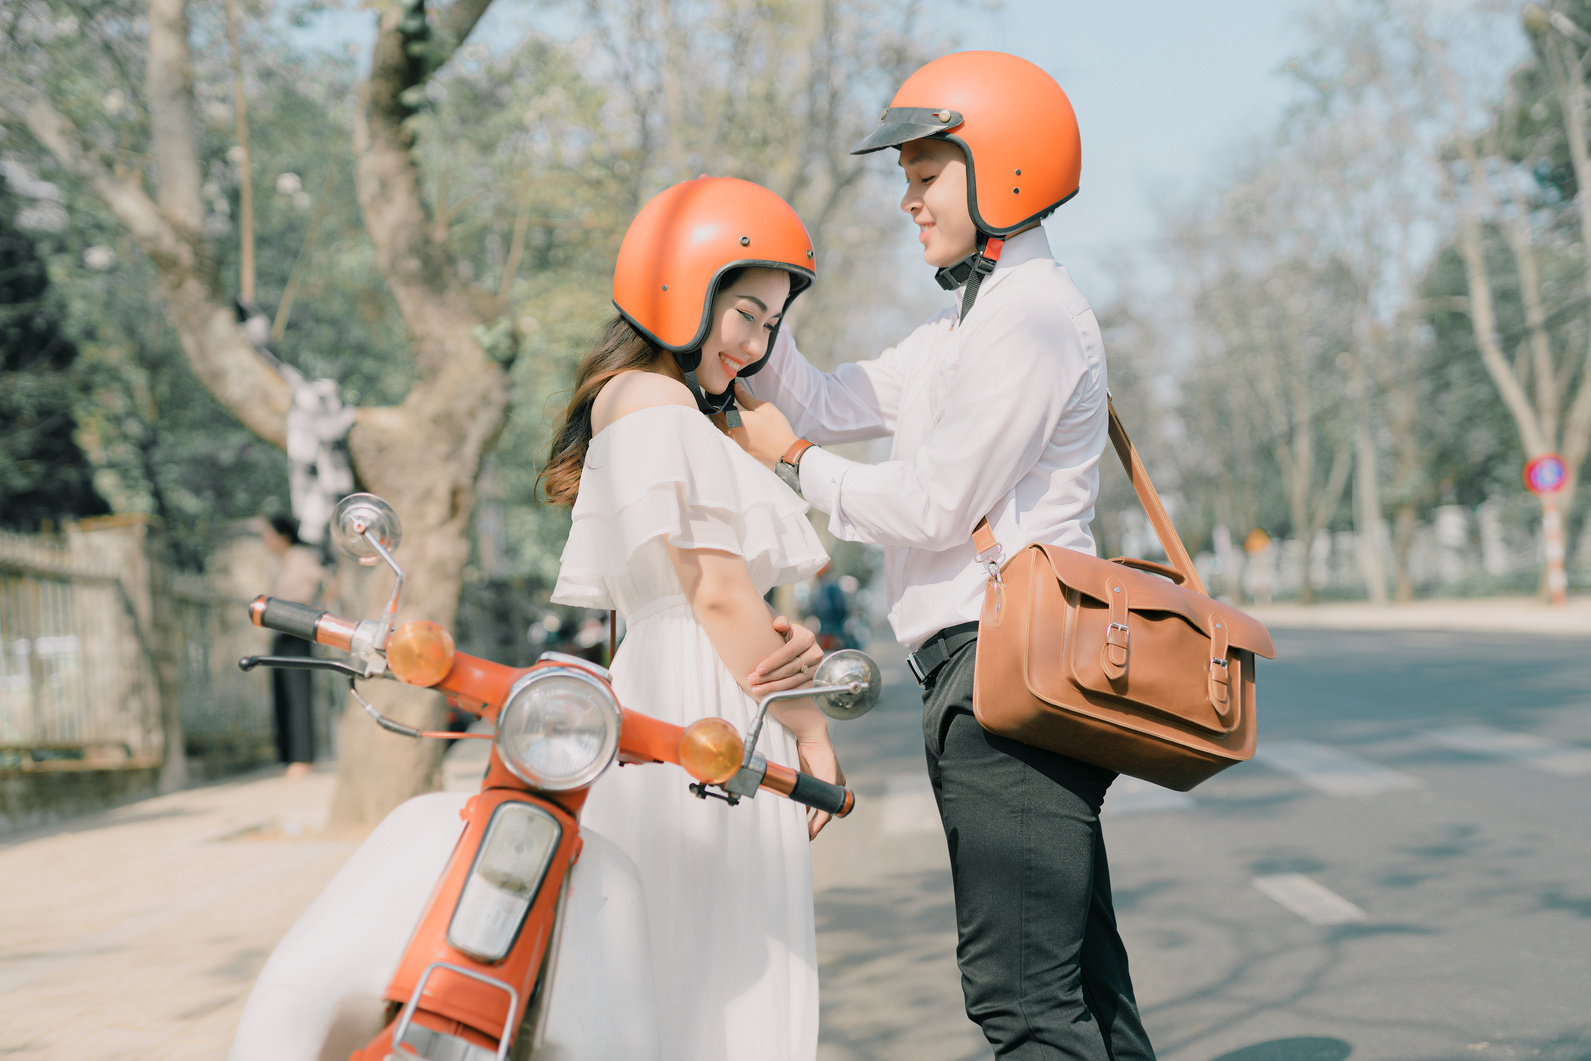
1163 89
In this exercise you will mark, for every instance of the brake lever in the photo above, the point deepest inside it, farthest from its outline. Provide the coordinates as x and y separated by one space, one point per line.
248 663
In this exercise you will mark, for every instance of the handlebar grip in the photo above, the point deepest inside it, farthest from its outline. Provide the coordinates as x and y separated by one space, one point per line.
286 617
820 795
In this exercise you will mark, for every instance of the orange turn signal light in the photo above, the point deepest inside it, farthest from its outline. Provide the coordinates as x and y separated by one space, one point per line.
420 652
710 750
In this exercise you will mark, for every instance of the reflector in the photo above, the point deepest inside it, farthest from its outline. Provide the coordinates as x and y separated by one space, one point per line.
420 652
710 750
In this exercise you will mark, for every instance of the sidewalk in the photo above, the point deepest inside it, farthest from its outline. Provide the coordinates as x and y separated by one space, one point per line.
138 933
1522 615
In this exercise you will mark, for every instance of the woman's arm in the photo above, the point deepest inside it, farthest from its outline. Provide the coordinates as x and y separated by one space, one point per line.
727 604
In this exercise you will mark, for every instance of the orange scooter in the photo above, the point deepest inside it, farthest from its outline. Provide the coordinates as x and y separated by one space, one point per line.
476 978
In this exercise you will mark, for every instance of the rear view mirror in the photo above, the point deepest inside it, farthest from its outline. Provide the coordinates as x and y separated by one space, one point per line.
851 682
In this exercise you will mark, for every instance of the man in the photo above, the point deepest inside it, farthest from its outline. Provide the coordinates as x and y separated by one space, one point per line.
998 410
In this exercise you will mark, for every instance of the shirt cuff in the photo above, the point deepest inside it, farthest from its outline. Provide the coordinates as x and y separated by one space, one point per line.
821 472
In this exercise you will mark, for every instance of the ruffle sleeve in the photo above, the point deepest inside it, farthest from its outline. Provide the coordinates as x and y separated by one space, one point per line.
668 473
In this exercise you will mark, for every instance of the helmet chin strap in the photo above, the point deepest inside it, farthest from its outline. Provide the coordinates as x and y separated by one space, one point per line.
971 270
712 404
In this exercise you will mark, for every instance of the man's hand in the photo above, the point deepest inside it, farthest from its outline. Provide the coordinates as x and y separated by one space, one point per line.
790 667
767 434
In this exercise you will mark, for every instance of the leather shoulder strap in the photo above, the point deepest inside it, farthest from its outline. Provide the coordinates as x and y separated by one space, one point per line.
1165 530
983 537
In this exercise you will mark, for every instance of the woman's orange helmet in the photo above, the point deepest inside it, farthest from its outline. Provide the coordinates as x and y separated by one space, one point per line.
1024 152
685 239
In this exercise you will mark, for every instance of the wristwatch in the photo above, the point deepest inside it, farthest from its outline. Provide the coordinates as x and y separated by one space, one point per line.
789 467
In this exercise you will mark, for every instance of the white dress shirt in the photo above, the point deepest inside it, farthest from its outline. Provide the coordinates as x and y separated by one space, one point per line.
1000 416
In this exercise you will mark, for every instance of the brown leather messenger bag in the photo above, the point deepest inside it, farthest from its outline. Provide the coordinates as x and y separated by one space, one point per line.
1124 663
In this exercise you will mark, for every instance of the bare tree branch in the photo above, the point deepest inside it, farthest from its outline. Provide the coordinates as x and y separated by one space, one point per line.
216 348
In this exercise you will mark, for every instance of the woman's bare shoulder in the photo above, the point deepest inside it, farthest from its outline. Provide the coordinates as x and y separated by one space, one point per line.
630 392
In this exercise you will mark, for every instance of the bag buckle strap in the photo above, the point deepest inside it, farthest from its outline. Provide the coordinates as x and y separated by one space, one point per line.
1113 653
1220 683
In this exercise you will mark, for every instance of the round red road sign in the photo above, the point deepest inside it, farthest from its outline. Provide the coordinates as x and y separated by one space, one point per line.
1546 474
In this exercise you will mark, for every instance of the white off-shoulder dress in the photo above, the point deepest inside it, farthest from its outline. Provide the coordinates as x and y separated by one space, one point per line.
728 889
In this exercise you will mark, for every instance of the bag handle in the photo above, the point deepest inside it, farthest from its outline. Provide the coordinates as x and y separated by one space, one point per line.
983 539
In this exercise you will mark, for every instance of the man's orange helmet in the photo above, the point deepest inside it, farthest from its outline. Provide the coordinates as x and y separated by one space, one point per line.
1024 153
685 239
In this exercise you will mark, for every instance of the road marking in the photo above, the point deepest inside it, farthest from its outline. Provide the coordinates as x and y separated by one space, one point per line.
1129 795
1538 753
909 806
1309 899
1333 771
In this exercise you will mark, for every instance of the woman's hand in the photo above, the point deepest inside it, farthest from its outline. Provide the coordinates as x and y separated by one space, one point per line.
790 667
816 757
766 434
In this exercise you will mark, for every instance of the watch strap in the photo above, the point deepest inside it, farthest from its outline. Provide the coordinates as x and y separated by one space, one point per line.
792 456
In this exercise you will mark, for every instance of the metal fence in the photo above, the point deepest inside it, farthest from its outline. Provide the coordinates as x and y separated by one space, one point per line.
226 716
84 632
76 679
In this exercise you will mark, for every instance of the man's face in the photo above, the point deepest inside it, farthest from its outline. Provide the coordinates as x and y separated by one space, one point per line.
936 198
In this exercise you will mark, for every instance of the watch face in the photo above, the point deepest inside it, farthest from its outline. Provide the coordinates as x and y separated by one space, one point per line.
789 475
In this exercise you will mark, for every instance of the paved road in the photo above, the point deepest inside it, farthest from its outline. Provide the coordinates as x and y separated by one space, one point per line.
1404 874
1405 877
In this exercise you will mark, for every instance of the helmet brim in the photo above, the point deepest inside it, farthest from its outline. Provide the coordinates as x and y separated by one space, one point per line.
901 124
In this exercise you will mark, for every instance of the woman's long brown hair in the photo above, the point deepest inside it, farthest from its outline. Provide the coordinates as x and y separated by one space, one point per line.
621 349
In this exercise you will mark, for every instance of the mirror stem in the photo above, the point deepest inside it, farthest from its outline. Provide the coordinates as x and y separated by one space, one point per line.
391 612
790 694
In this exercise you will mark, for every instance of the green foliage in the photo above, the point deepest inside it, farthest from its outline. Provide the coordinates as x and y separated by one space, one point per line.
43 473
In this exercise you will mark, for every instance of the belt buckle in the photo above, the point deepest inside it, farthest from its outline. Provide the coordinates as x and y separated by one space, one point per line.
916 669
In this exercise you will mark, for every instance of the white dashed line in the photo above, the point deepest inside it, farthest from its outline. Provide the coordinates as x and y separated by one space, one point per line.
1527 749
909 806
1129 795
1309 899
1333 771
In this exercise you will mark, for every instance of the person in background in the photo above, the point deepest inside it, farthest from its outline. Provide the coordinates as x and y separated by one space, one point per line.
832 609
299 578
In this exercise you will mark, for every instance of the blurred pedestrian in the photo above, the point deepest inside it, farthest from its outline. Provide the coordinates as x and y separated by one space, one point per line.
830 605
300 578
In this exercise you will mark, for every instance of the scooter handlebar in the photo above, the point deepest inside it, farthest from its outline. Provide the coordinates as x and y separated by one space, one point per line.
300 620
808 790
820 795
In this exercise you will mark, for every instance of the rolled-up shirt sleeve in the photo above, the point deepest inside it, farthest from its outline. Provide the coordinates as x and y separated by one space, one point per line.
857 401
1016 378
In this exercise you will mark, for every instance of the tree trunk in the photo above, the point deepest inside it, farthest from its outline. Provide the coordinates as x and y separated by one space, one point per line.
422 455
1402 540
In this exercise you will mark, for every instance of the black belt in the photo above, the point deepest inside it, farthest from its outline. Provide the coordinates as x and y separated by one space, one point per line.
937 650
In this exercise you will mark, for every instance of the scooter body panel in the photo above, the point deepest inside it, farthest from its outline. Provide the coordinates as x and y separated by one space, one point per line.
321 995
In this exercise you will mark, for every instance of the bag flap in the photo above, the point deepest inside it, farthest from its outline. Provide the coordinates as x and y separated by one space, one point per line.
1151 593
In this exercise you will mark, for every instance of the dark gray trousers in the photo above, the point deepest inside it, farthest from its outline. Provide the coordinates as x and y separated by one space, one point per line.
1043 969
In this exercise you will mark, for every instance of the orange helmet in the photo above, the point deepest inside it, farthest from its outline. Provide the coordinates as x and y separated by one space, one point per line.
682 243
1024 154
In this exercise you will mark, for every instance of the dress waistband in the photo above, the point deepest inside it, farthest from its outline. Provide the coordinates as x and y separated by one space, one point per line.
653 607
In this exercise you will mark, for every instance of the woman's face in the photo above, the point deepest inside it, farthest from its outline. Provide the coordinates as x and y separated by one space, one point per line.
743 319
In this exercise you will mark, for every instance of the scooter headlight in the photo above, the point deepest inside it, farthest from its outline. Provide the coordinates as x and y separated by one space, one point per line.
559 729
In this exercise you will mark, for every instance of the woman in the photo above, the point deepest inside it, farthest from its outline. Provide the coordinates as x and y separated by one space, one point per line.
683 533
